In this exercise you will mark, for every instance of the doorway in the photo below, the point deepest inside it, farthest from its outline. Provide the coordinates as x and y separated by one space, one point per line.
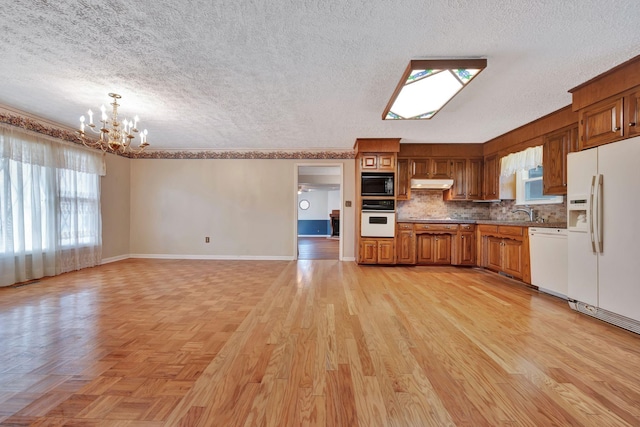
318 211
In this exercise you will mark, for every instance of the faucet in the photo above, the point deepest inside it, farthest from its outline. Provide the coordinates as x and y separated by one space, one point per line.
529 212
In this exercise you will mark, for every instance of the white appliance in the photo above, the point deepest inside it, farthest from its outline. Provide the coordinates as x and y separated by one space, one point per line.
604 232
378 224
549 252
431 184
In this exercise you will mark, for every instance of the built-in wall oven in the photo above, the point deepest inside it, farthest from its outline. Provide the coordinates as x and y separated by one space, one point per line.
378 218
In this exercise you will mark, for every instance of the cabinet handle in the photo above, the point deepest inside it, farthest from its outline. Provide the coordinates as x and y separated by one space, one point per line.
448 227
616 129
632 124
462 237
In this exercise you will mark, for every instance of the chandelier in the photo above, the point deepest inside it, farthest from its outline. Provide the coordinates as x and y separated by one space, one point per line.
115 137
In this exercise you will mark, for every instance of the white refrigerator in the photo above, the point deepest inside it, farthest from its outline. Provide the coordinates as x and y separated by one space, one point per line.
603 222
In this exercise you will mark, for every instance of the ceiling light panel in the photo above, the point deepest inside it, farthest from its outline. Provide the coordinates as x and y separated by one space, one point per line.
428 85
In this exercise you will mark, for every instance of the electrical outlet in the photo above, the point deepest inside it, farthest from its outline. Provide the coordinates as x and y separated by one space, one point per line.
206 239
347 203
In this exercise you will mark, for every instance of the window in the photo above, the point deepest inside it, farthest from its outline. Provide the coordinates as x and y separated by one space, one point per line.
529 188
49 206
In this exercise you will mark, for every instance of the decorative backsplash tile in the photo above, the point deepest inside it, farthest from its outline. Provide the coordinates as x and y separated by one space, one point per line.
550 213
429 204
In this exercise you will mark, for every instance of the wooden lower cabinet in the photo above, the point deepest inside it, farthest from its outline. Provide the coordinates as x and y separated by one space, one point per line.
504 249
512 261
406 245
377 251
494 253
434 249
466 246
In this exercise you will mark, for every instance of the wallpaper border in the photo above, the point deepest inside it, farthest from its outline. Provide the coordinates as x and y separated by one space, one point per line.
54 132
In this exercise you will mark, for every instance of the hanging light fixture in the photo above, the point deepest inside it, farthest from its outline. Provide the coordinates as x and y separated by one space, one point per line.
115 136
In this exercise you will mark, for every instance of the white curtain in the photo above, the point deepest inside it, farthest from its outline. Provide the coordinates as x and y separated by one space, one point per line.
49 206
527 159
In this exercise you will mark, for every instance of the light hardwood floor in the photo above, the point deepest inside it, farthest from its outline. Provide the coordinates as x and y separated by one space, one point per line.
318 248
232 343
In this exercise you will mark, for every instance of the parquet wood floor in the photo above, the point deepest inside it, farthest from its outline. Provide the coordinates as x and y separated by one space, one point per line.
307 343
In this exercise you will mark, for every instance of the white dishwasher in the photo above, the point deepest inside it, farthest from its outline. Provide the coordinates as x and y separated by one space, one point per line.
549 257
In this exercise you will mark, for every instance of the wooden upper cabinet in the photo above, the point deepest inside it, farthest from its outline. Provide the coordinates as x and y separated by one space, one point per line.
474 179
632 122
491 181
554 154
381 162
403 180
459 174
602 123
440 168
420 168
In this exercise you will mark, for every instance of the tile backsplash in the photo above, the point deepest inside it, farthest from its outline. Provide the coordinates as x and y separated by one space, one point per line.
550 213
429 204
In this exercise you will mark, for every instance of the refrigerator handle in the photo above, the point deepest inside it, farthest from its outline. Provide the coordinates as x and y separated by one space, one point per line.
599 208
591 203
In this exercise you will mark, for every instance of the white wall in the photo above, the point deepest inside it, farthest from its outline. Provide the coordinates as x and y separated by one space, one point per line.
333 201
246 207
115 205
317 205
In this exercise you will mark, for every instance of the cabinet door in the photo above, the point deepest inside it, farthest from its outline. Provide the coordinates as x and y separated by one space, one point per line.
368 251
554 155
369 161
402 180
466 248
442 249
474 179
440 168
459 173
420 168
491 182
633 113
512 258
406 249
494 253
425 248
386 253
601 123
386 162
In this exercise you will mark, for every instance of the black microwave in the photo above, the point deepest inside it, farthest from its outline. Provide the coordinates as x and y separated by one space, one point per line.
377 184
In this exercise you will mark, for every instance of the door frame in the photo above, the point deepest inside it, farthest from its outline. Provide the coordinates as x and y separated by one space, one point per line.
296 173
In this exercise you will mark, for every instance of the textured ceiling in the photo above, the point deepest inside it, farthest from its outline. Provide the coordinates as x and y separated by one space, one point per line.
306 74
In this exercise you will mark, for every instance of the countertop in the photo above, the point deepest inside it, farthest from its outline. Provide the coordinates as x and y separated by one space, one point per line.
485 221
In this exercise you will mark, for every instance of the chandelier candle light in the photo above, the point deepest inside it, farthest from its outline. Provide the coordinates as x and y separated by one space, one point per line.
115 136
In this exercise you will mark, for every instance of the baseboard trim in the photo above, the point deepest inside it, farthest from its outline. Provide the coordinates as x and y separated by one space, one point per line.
349 259
114 259
215 257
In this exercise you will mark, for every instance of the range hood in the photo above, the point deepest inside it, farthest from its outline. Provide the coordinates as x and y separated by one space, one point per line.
431 184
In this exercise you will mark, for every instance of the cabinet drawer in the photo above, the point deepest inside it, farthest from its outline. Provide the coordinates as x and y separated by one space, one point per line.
435 227
486 228
511 230
405 226
467 227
